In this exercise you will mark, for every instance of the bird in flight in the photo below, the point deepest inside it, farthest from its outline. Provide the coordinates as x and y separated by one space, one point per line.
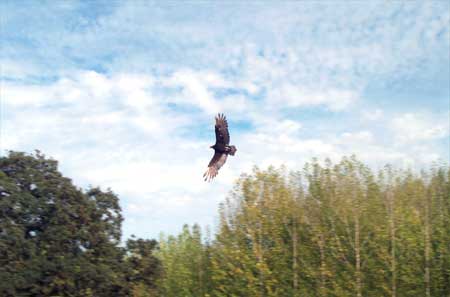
221 149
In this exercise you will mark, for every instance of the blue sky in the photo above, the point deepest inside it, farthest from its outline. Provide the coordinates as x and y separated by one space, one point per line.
123 93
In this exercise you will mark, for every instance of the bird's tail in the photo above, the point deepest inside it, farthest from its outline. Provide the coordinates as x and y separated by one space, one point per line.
232 150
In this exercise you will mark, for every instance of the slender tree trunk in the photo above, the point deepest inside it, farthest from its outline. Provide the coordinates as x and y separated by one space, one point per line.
322 265
392 235
200 273
358 257
294 260
258 241
260 261
427 245
443 249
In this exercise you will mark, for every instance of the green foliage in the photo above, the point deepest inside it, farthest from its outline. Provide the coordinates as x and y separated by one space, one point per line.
56 240
143 267
327 230
185 262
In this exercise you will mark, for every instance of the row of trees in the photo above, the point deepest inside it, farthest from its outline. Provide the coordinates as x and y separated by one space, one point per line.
328 230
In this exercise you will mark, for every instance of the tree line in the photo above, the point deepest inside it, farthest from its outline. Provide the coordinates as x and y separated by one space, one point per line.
325 230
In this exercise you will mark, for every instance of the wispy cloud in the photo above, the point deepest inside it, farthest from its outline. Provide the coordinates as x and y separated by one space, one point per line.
124 93
418 127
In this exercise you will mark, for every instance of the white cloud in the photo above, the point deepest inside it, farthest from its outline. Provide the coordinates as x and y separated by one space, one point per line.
195 90
198 89
357 137
372 115
138 123
415 127
289 95
114 131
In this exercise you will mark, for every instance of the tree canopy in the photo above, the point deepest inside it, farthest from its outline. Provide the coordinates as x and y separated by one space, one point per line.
324 230
58 240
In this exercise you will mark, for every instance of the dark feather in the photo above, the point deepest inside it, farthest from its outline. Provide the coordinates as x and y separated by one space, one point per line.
214 159
216 162
221 149
221 128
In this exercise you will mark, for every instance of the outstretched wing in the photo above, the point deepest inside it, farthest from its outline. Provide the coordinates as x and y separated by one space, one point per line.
216 162
221 128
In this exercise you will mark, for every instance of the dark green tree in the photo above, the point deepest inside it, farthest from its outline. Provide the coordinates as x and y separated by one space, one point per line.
57 240
143 267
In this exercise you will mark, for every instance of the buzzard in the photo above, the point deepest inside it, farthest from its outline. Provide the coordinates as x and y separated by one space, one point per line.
221 149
